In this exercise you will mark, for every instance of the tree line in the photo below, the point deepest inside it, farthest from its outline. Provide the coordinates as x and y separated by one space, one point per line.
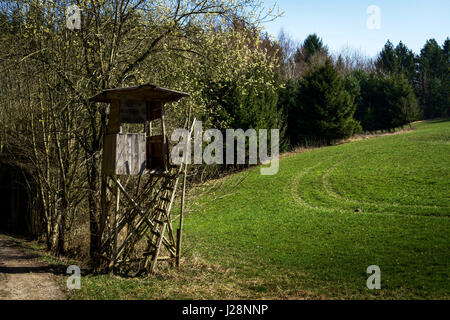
329 97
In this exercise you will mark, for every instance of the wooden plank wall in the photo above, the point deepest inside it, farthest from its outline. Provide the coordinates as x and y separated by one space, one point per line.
124 154
130 153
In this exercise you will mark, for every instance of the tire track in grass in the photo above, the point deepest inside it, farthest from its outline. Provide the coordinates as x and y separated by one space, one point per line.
332 192
294 189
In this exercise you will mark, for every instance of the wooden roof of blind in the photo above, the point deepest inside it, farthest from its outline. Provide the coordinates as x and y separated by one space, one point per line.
147 92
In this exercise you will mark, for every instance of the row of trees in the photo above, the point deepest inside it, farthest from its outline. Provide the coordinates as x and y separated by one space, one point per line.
428 73
327 97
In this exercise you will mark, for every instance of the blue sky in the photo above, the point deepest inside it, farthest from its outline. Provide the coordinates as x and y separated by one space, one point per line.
342 23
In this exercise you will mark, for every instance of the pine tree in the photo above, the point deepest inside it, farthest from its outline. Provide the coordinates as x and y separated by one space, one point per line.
384 102
406 62
398 60
288 100
400 105
312 45
433 80
310 54
387 62
324 109
446 49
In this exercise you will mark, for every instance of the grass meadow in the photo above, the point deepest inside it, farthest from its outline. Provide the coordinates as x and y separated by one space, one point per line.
311 231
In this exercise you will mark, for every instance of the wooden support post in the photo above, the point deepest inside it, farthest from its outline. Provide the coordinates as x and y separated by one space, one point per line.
103 215
154 260
113 127
180 227
116 213
164 138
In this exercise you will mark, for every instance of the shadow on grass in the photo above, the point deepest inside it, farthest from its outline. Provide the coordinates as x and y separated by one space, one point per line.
53 269
438 120
29 258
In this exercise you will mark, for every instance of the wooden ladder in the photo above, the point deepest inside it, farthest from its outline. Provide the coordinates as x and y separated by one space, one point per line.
162 224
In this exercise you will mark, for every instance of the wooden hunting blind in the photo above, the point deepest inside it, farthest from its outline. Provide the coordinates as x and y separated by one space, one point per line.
146 214
133 153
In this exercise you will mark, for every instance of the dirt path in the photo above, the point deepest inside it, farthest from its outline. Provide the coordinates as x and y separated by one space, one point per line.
24 277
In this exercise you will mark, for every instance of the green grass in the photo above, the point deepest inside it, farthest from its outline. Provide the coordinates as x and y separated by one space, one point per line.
297 235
